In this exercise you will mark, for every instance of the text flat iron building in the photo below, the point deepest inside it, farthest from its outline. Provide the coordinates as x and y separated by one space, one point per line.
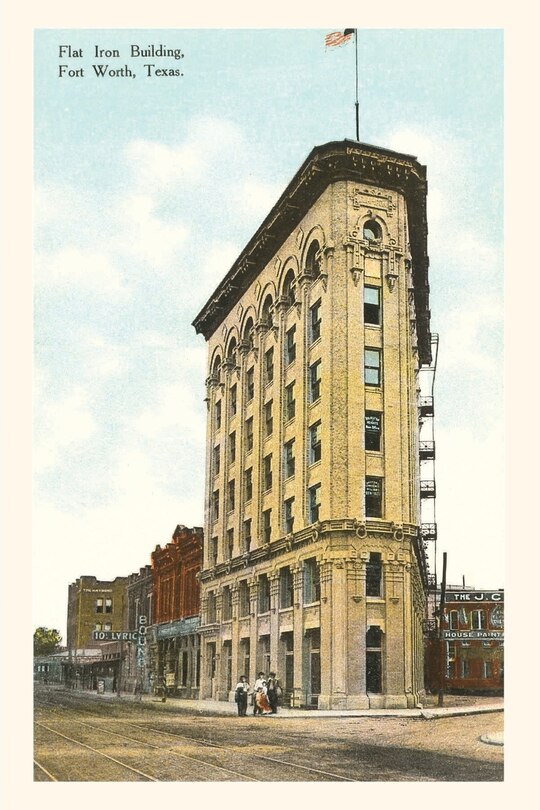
314 565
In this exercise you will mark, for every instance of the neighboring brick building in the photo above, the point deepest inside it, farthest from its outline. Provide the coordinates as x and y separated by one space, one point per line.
471 641
175 642
314 563
94 605
138 618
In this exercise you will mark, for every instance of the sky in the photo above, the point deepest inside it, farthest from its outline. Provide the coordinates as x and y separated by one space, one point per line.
146 189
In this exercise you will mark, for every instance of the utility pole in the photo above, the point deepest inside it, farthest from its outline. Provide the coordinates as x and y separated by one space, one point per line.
442 657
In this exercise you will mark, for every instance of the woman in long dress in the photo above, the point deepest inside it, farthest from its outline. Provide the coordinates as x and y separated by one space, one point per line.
261 699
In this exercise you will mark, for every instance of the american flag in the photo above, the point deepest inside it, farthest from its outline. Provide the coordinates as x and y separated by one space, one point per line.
338 37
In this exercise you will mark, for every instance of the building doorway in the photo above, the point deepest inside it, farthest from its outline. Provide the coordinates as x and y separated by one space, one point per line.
374 659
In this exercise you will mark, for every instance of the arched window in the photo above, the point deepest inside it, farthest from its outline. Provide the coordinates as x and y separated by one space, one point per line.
267 311
248 332
289 288
372 231
313 259
216 367
231 354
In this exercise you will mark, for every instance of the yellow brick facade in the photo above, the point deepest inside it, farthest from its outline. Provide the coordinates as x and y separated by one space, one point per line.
322 586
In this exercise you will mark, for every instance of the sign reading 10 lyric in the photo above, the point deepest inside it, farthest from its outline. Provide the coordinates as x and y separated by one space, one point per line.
139 635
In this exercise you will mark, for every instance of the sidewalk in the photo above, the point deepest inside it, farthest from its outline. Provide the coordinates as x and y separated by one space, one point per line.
454 706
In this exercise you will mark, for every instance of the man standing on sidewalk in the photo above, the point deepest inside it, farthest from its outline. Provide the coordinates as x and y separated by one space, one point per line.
273 689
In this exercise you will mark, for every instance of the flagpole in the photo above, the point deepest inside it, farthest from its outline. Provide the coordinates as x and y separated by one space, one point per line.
356 103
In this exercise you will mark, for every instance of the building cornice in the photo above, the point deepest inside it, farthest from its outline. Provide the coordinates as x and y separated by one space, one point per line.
326 164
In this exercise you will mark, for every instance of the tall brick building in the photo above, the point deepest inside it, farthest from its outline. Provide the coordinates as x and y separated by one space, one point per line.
94 605
175 647
313 560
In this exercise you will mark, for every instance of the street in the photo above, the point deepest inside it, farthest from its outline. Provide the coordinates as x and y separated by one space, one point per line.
81 737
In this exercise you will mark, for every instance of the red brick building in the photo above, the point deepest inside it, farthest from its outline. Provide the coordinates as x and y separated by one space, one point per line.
471 639
175 586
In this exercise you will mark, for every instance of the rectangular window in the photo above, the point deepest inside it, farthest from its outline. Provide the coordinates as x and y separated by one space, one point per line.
451 651
285 587
478 620
232 447
288 457
211 609
314 503
230 496
216 459
108 605
217 414
453 619
267 471
373 497
315 381
269 366
373 574
99 605
372 366
226 604
372 306
264 594
213 550
249 434
267 525
288 516
97 627
215 504
312 584
248 484
268 419
373 430
233 399
315 321
290 402
250 384
230 543
246 531
315 443
107 627
488 669
243 598
290 345
464 668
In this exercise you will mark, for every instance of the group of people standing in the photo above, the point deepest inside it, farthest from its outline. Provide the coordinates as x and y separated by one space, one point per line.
264 695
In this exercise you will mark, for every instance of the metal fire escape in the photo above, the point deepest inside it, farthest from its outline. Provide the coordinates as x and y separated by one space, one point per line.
426 414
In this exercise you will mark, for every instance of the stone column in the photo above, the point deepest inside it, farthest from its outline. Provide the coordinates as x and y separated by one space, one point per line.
235 635
274 619
298 695
253 629
338 697
394 652
356 635
325 569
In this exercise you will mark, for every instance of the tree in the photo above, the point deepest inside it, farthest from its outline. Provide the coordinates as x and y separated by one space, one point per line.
46 641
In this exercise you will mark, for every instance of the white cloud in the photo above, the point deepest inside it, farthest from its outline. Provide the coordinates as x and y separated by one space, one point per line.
155 165
72 267
467 347
144 236
470 503
64 424
255 198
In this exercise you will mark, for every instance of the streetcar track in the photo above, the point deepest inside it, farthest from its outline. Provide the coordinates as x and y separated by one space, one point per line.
45 771
97 751
164 748
234 751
